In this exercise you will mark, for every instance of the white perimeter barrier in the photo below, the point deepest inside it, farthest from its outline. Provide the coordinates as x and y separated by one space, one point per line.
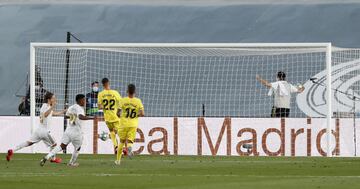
208 136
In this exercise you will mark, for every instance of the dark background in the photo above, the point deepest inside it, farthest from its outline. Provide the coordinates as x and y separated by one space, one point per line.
220 22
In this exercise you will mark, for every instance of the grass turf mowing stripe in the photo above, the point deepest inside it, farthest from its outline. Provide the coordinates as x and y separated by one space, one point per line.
178 172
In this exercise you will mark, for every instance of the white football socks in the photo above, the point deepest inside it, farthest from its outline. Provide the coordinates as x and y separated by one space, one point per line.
52 148
74 157
53 152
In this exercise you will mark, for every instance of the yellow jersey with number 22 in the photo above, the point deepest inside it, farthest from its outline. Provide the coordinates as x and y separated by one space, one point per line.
110 101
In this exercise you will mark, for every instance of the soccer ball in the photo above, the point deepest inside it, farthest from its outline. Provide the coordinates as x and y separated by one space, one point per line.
104 136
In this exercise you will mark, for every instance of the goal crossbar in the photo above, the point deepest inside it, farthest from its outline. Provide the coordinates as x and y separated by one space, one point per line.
193 45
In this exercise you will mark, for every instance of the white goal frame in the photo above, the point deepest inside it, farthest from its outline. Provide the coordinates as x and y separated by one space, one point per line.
326 46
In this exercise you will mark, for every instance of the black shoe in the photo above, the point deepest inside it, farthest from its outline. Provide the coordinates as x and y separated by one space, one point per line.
115 150
43 161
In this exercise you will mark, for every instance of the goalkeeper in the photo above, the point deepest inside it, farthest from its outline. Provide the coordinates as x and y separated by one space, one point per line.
281 91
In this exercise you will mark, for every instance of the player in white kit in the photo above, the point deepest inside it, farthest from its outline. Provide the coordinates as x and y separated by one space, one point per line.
73 133
42 133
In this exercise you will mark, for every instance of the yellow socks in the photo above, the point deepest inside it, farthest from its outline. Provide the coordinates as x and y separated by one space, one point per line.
129 144
113 138
119 152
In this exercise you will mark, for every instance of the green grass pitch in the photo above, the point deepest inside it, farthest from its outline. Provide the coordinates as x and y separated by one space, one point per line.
99 171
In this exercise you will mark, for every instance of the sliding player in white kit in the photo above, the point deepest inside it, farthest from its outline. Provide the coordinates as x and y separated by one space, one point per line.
73 133
42 133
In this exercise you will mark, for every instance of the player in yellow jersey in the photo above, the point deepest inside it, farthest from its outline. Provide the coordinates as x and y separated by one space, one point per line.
109 102
131 109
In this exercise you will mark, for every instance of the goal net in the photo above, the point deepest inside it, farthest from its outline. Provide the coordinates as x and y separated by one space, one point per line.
195 80
183 81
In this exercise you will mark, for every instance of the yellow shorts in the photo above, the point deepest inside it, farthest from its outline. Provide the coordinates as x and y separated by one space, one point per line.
113 125
127 133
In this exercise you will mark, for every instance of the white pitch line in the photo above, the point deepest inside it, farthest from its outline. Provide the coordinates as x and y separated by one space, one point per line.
197 161
12 174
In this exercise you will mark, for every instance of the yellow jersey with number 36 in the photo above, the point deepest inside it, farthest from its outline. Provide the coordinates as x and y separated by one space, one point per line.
110 102
130 108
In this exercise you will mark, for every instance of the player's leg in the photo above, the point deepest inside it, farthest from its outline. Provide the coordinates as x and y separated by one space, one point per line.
52 153
50 142
74 156
281 112
273 112
35 138
284 112
11 152
122 132
23 145
66 139
125 150
287 112
77 142
112 129
277 112
130 140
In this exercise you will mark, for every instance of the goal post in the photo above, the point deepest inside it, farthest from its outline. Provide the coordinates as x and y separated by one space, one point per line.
219 73
329 97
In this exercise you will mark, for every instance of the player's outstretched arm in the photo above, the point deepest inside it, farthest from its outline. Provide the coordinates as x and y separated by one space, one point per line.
297 89
119 113
47 113
263 81
141 113
100 106
51 109
83 117
301 89
59 112
99 102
